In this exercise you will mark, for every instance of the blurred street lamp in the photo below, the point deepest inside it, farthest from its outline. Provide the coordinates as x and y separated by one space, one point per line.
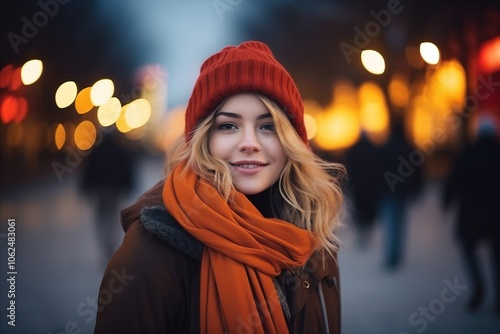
429 52
373 61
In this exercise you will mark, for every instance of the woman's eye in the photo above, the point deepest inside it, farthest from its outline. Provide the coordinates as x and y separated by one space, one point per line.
268 126
226 126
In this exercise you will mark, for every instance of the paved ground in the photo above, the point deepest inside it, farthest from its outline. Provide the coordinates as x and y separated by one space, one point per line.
59 267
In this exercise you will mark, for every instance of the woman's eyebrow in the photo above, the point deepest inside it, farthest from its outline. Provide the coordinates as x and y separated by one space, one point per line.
235 115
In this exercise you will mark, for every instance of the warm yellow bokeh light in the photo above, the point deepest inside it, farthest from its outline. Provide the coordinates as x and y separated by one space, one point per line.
435 103
374 114
101 91
421 124
338 126
337 129
311 126
60 136
369 91
85 135
83 104
172 127
121 124
429 52
449 83
345 94
66 94
138 113
373 61
31 71
108 112
399 91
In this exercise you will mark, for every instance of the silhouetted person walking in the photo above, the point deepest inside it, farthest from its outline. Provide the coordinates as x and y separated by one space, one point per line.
108 176
365 173
402 181
474 182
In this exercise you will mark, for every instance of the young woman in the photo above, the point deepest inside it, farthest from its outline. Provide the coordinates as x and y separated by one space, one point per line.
241 235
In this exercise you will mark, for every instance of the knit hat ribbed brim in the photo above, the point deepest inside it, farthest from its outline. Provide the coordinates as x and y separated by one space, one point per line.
249 67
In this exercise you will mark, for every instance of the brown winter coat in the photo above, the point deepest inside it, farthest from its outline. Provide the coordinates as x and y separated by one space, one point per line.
152 282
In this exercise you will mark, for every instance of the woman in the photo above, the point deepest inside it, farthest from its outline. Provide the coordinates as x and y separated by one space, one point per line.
239 238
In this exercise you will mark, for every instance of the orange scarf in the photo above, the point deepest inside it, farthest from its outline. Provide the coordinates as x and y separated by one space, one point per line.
243 252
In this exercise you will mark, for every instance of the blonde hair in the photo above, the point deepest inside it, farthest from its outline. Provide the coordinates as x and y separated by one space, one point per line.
309 186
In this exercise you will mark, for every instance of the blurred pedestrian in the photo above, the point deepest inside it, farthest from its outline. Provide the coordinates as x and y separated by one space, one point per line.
363 163
108 177
474 183
402 182
240 236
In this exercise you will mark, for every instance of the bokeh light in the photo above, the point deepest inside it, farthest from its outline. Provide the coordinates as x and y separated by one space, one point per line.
66 94
31 71
311 126
338 125
138 113
16 82
121 124
22 109
373 61
489 56
171 128
8 108
449 84
101 91
85 135
429 52
399 91
13 108
6 76
108 112
60 136
83 104
374 114
337 129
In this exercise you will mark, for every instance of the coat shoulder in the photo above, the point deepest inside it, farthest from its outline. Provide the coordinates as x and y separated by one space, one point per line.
148 278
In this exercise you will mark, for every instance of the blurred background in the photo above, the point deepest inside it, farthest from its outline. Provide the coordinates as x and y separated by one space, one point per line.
404 93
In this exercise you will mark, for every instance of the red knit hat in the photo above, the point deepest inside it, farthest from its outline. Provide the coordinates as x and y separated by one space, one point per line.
249 67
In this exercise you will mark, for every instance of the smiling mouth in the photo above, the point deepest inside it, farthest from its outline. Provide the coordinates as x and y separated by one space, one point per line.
248 166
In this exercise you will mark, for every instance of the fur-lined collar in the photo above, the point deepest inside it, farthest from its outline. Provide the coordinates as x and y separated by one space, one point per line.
160 222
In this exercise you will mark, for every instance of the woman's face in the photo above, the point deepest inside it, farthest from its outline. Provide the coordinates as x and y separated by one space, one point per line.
243 135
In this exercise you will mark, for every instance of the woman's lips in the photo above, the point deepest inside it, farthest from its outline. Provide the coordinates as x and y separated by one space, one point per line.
248 168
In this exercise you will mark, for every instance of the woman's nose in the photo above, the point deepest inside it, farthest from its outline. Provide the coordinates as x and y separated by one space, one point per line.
249 142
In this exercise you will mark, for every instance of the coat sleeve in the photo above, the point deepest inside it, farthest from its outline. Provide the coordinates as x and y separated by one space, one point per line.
141 291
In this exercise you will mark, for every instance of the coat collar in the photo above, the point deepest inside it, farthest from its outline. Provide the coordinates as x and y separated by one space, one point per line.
161 223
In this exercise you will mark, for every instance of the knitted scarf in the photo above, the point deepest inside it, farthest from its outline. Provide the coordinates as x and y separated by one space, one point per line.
243 252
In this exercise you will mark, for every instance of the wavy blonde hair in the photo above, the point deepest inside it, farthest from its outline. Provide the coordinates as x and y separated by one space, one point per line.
309 187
